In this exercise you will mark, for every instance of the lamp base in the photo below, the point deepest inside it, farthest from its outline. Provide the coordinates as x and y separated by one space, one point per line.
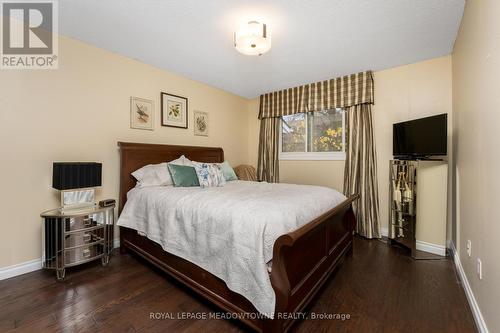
77 199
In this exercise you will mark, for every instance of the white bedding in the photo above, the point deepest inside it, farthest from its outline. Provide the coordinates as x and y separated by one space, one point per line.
228 231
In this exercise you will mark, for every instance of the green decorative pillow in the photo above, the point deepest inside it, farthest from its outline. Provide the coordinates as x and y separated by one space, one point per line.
183 176
227 171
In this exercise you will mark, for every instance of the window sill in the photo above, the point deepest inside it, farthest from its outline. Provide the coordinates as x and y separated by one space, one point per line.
335 156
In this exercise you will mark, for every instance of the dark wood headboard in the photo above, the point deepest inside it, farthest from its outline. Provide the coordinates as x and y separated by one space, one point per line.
136 155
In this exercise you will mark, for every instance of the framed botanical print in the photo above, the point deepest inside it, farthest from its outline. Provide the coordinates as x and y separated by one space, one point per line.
142 113
200 123
174 110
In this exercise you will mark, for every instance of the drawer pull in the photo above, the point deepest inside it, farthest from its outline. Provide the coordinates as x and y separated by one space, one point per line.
87 237
86 253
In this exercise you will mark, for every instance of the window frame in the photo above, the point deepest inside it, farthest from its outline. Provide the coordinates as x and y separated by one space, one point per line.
309 155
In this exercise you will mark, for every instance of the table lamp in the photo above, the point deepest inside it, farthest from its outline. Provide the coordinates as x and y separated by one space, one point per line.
77 182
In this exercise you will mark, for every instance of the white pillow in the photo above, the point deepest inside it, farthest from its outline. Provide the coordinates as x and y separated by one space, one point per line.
157 174
186 161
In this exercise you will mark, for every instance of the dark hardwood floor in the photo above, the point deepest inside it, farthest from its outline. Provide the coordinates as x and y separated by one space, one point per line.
380 288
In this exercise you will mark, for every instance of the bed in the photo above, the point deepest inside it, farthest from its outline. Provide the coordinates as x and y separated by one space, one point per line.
302 260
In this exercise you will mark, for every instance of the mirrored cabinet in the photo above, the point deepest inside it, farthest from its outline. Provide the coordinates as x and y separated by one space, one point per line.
75 237
402 217
418 206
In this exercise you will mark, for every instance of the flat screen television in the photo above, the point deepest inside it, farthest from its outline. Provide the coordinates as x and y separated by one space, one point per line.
420 138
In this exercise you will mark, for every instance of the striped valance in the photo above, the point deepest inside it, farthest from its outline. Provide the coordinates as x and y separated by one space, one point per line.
341 92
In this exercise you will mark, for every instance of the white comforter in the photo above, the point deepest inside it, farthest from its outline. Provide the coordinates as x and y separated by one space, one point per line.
228 231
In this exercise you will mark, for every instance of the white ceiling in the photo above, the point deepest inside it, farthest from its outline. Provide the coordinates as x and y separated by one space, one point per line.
312 39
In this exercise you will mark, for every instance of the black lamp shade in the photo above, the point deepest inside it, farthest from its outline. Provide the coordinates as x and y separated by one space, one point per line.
72 175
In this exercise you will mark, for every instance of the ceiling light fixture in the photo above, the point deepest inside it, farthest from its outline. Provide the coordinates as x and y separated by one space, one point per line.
252 38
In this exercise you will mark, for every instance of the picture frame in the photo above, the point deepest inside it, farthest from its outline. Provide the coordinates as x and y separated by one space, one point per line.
174 110
142 113
200 123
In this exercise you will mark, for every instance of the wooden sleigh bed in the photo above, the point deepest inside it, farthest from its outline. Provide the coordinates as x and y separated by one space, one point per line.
302 260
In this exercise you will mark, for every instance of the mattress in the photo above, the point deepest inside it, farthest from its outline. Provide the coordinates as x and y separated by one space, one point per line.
229 231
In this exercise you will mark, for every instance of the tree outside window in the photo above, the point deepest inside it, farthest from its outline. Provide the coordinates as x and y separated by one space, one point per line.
313 132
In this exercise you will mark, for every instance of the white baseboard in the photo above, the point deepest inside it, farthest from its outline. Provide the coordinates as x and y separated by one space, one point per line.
422 246
431 248
19 269
476 312
31 266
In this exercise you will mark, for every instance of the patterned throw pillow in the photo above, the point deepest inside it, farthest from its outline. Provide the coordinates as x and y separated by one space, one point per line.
209 174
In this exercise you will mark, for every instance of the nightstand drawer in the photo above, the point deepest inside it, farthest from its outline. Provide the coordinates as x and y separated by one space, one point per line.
84 237
83 253
81 222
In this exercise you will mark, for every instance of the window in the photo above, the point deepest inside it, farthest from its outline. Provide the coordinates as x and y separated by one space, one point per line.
316 135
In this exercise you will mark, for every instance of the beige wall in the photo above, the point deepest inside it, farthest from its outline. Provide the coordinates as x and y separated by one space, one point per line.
253 131
78 113
476 107
401 93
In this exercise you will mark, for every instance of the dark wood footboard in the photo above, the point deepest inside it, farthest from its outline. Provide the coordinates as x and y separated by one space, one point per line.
302 260
305 258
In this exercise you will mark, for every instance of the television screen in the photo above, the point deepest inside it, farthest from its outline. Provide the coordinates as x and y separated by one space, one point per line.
421 137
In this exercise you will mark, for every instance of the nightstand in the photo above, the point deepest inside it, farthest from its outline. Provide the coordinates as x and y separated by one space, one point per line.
74 237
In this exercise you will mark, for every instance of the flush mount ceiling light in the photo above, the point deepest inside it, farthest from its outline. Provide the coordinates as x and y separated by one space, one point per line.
252 38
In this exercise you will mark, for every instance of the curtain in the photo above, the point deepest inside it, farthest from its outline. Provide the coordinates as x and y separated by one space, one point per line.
268 164
354 93
341 92
360 175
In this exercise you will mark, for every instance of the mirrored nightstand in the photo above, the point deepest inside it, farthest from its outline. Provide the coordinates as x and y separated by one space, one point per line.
71 238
